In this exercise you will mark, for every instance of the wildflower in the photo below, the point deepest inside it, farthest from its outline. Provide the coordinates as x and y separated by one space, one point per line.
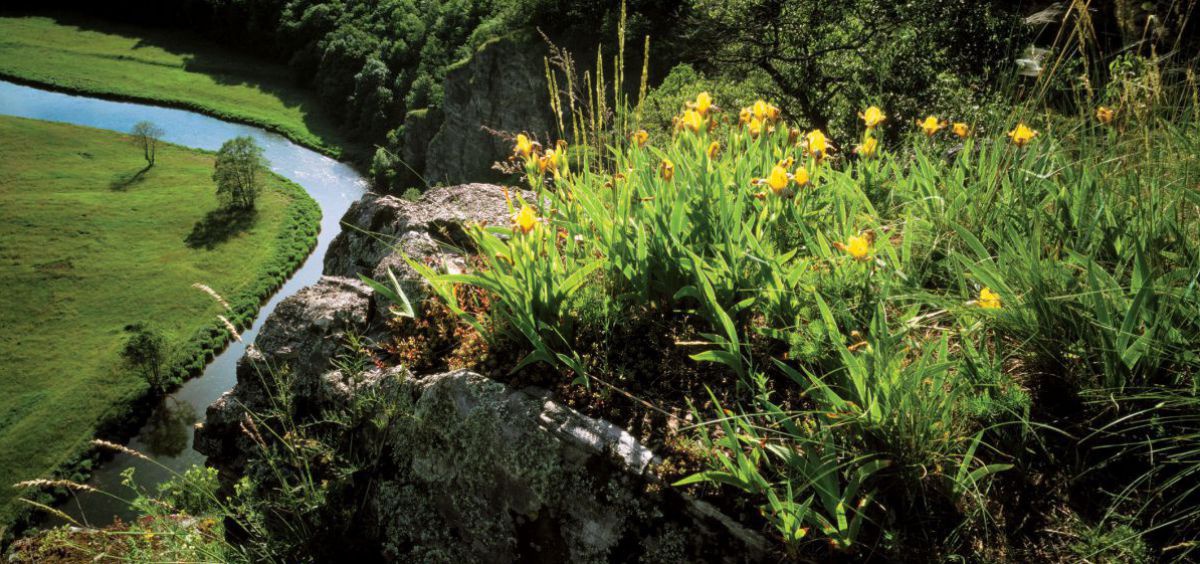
641 137
872 117
526 219
756 127
1021 135
962 130
800 177
778 179
667 170
545 161
523 147
773 113
703 103
930 125
714 148
744 116
759 109
793 135
868 147
818 145
988 299
1105 115
857 246
692 120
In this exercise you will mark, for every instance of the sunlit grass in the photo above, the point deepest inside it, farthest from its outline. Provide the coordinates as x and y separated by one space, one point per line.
166 67
88 246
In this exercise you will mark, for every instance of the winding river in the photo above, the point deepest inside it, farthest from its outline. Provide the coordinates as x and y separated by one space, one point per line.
167 435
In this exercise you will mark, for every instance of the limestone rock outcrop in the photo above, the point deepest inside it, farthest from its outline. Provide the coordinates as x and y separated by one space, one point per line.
469 469
501 87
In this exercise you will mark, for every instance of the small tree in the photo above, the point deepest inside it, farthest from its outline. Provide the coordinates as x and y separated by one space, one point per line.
146 135
237 172
146 351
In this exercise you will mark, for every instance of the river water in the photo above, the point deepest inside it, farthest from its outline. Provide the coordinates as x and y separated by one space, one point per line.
167 435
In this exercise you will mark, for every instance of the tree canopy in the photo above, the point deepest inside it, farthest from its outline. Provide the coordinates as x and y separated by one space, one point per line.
238 171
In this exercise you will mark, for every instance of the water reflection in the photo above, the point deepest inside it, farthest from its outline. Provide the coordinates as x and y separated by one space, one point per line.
170 425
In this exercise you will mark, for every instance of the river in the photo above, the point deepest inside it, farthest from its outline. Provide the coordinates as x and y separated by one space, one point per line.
167 434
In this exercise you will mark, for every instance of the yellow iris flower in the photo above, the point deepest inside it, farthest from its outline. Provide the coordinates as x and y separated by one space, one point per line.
756 127
526 219
872 117
1021 135
868 147
988 299
858 247
930 125
818 145
703 103
524 146
778 179
800 177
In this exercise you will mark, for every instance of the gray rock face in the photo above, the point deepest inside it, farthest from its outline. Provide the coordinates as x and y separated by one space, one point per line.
501 87
419 128
487 473
383 230
469 469
301 336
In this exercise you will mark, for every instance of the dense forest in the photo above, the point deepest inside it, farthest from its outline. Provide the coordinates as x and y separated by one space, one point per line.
373 62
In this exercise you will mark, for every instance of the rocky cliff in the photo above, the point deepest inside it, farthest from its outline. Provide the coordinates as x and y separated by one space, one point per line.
502 87
471 470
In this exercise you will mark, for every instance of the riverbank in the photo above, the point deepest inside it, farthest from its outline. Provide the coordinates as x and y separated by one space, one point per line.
93 243
171 69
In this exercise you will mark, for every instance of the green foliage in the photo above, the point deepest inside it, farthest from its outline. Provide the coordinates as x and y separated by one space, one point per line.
146 351
684 81
237 172
827 58
871 370
1116 543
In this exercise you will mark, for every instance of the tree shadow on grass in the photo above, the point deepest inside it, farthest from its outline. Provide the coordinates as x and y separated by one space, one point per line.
123 181
219 226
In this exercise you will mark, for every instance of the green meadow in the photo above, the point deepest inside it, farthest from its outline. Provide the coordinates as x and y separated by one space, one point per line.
90 243
162 67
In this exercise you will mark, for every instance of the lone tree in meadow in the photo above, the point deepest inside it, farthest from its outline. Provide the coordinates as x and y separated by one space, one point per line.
238 172
146 135
146 351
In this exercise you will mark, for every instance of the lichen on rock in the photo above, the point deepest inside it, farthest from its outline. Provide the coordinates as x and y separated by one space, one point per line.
460 467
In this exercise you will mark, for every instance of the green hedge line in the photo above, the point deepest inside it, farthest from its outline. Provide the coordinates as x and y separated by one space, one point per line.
296 239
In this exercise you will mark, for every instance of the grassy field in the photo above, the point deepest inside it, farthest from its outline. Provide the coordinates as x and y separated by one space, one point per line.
88 246
164 67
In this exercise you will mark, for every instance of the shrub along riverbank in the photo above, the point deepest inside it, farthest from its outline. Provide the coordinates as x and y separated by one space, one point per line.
91 242
167 69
